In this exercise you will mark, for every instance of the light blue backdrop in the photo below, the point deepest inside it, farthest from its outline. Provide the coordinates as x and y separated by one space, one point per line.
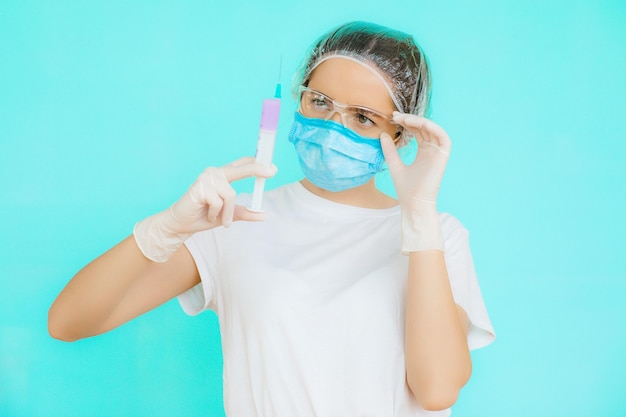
110 109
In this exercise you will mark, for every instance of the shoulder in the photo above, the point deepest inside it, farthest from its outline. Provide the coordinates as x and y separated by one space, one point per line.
455 236
450 225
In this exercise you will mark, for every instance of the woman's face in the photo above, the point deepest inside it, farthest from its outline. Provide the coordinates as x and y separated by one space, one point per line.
351 83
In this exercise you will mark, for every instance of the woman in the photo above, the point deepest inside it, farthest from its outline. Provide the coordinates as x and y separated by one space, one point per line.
339 300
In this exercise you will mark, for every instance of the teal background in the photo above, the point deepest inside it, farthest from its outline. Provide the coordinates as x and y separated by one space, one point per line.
109 110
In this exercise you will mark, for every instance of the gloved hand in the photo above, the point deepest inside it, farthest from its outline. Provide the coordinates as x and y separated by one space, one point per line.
209 203
417 184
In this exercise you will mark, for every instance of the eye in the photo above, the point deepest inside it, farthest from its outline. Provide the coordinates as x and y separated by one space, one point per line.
319 102
363 119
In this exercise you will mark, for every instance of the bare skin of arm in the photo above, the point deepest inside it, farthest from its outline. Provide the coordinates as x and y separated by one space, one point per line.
116 287
124 283
438 361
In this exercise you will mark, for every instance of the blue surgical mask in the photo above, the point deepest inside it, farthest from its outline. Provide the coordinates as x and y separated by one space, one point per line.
333 157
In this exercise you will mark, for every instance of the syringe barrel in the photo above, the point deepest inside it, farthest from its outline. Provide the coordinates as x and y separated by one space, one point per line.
265 146
264 152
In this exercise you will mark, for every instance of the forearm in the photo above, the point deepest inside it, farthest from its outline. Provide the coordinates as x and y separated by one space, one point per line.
94 292
152 265
437 356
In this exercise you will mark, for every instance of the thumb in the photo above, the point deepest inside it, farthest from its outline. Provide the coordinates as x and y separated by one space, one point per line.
390 152
242 213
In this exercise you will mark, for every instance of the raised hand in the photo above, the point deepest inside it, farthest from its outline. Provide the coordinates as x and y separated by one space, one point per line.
417 184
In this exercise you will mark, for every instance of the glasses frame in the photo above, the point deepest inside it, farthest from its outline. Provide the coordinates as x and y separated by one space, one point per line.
338 107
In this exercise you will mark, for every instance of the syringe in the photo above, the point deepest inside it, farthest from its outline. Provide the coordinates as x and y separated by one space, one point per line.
265 142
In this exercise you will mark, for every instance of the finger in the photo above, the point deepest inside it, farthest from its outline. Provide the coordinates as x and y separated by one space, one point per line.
242 213
242 161
425 130
435 135
250 169
412 121
206 192
390 152
413 124
402 119
214 205
409 120
223 198
228 196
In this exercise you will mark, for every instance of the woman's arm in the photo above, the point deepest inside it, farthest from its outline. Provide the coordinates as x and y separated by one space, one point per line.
437 356
152 266
116 287
438 361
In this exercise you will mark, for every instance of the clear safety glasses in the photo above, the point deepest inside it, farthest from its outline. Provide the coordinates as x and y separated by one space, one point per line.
364 121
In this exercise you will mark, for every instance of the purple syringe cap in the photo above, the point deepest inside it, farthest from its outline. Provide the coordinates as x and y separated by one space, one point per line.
270 113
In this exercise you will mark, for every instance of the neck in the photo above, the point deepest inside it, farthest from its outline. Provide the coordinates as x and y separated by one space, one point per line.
365 196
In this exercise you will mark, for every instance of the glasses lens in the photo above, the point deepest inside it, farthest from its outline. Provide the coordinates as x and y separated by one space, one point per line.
314 104
367 122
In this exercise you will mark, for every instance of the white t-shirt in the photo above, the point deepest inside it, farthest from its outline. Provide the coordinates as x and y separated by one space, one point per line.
311 307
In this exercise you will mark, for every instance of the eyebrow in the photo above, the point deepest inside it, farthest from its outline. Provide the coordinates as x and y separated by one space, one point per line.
360 106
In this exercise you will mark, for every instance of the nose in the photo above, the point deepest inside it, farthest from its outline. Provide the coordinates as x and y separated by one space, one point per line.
336 116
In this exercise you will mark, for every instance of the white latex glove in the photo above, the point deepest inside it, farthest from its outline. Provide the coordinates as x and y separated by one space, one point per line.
209 203
417 184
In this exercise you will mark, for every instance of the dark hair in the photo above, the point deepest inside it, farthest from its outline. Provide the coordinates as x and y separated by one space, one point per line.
395 54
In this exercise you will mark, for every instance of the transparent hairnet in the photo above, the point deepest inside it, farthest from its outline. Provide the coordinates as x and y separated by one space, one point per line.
394 54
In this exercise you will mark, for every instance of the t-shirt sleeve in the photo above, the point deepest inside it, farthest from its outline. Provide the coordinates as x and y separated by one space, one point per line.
464 283
204 250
